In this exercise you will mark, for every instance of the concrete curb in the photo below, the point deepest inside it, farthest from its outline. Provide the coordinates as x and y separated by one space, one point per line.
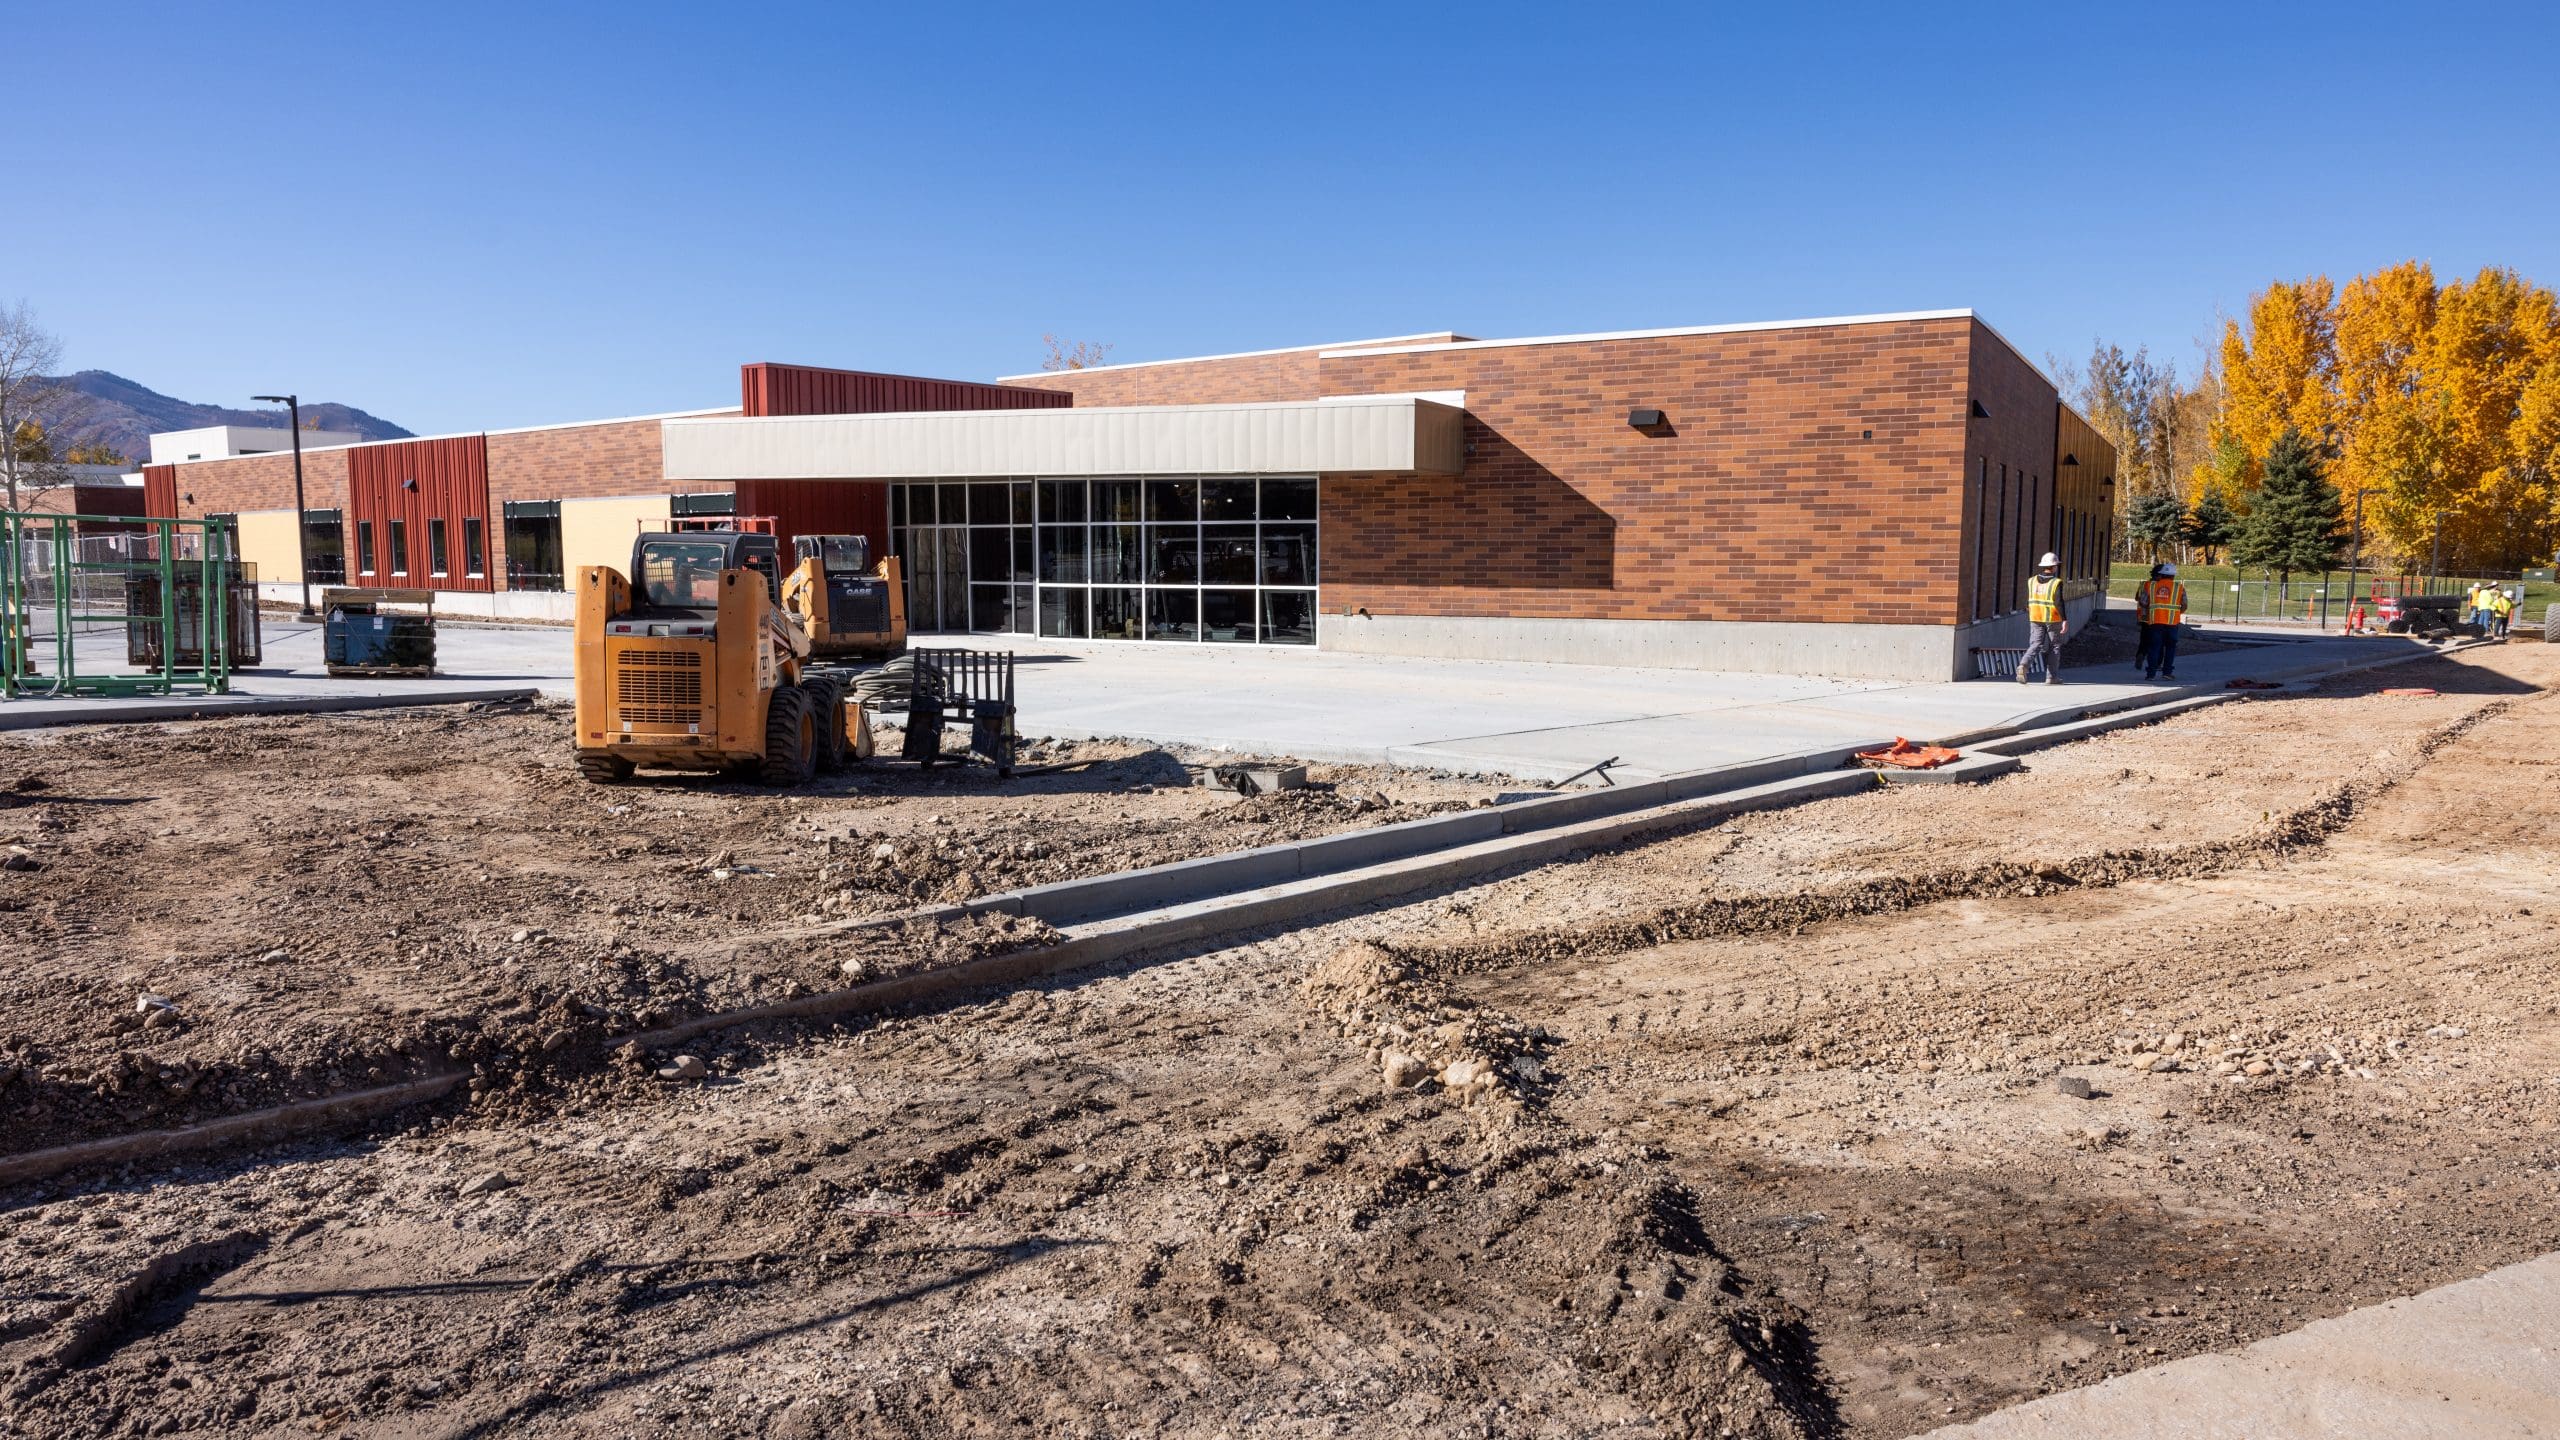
214 707
1095 897
276 1122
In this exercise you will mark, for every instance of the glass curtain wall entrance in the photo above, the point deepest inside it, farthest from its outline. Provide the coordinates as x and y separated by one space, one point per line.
1211 560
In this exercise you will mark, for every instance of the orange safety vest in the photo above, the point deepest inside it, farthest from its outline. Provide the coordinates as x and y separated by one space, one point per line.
2164 602
2044 600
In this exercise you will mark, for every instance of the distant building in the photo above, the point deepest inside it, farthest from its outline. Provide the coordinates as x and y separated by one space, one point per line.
1863 496
222 442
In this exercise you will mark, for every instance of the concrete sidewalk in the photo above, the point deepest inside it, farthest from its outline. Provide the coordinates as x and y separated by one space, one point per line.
1545 721
1536 721
2478 1358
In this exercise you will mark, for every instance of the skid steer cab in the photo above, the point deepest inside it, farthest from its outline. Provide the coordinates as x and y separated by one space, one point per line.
690 662
852 608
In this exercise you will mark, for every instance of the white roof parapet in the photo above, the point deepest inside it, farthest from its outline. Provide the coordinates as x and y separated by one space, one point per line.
1399 434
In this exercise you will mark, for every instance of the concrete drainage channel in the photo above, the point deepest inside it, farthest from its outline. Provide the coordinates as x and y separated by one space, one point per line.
1110 917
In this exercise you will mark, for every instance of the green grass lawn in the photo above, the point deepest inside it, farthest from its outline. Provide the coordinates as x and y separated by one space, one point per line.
2123 578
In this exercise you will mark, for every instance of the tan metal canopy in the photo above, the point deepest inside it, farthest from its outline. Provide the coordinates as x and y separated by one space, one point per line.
1395 434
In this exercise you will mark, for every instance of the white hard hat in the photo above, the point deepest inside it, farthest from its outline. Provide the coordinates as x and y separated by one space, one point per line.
2049 561
2168 570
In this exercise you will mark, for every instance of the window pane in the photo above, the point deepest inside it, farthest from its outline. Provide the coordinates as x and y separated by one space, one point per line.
1226 616
475 550
1061 558
364 546
1022 556
1288 554
1226 500
1061 501
1226 555
954 503
990 555
1173 499
1173 554
1288 617
1062 613
1173 614
435 546
990 607
1117 557
1115 500
1022 609
988 505
897 507
955 572
920 505
1288 499
1022 502
1117 615
399 547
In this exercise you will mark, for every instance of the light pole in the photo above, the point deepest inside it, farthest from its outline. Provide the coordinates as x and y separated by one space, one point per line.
301 515
2355 548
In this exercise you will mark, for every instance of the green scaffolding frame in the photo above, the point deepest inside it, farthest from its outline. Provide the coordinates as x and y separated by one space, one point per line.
58 536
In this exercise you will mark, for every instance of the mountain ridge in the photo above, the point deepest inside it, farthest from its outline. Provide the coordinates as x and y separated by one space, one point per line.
108 408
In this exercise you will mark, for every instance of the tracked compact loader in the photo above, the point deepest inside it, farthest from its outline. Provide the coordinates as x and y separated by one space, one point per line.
692 662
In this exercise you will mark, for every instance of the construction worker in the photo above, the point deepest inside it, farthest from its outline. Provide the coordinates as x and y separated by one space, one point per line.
2164 608
2502 610
2044 621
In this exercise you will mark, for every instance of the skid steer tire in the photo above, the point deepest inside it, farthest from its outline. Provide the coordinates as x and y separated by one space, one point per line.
826 703
605 769
2551 622
790 738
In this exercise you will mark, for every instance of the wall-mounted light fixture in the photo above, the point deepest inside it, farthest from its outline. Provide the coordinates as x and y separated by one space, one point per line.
2071 460
190 497
1979 413
1644 419
409 484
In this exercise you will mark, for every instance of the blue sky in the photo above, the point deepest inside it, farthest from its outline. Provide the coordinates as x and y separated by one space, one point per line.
462 215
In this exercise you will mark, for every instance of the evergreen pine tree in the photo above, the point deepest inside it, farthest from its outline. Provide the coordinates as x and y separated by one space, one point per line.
2155 519
2211 524
2297 522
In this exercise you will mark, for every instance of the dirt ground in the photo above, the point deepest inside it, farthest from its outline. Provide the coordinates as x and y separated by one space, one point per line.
330 901
1758 1131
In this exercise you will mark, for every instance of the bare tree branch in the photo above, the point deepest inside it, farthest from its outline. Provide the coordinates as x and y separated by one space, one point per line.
30 396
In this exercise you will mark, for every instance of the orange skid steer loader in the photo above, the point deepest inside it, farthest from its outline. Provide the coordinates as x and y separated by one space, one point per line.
692 663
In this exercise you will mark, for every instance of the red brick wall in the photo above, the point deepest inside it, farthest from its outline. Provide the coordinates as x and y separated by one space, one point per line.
2009 455
582 462
1285 375
1802 475
261 482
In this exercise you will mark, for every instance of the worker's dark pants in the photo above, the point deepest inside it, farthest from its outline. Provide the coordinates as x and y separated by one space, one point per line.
2141 643
2160 651
2044 640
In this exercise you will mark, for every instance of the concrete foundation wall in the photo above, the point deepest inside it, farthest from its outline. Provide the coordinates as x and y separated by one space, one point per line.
1864 652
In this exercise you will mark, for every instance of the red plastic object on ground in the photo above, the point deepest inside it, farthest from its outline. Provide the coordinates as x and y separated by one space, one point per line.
1903 755
2410 690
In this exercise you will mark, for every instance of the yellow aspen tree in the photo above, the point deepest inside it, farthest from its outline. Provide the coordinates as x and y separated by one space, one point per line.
2386 411
2492 333
2278 374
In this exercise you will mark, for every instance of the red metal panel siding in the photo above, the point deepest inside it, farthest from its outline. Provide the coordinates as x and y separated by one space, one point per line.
809 390
160 491
820 507
451 483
